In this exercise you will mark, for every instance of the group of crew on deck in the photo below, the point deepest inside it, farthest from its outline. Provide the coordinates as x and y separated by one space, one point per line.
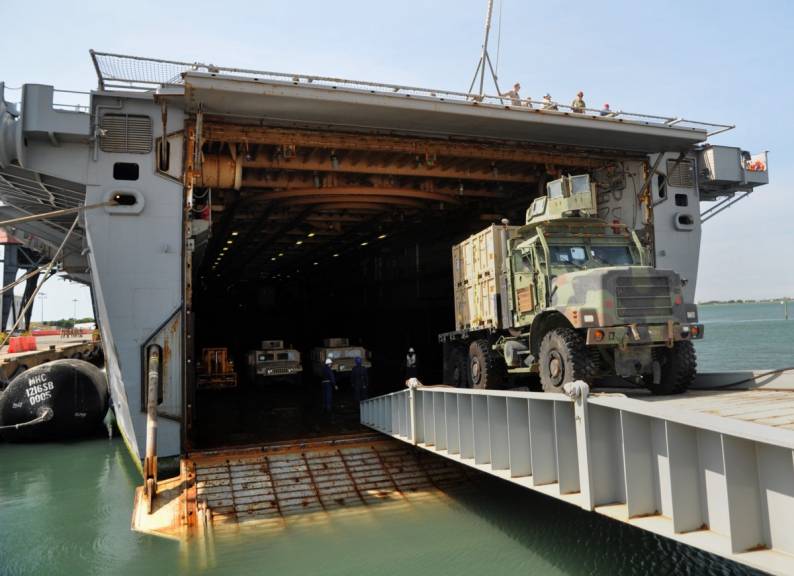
359 380
577 106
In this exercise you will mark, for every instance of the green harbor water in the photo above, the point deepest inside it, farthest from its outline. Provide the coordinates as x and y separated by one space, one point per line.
66 508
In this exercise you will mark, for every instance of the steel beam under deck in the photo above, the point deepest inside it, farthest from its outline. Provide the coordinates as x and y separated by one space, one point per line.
718 484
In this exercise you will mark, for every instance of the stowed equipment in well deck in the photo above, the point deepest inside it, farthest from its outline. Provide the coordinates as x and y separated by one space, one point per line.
274 362
216 370
342 355
570 296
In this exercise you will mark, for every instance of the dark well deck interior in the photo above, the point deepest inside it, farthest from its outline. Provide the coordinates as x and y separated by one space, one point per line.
333 215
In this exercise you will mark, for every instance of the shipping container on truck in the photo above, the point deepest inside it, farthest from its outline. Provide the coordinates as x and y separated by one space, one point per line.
480 296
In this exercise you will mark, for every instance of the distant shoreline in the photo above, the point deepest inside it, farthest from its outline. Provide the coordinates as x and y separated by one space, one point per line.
765 301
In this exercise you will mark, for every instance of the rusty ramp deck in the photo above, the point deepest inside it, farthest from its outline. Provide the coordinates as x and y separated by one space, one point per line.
277 485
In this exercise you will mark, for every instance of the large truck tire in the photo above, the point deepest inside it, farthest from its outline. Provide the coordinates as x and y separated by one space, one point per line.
678 368
459 368
456 367
564 358
486 368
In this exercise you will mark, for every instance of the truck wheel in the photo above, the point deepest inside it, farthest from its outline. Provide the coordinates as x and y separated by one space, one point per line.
564 358
459 372
456 367
486 368
678 366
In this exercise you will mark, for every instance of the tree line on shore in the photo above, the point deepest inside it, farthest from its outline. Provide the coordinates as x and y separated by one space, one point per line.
65 322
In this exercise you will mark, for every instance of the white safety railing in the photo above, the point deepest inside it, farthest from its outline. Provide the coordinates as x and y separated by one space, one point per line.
722 485
120 71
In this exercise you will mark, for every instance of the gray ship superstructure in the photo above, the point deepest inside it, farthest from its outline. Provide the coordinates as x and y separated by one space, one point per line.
165 151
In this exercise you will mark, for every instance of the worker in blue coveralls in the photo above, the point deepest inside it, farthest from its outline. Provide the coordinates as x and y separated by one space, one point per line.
328 383
360 381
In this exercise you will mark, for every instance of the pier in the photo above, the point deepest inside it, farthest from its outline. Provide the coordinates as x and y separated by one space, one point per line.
48 348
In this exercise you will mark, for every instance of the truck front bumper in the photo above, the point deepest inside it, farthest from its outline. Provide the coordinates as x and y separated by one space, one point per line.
643 334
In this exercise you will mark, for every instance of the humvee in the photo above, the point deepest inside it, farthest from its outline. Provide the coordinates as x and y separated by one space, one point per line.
568 296
274 362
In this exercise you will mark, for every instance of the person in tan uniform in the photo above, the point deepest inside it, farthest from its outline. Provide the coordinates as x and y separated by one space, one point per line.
548 103
515 97
578 104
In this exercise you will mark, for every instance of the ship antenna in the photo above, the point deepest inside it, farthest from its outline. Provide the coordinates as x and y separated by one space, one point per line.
485 59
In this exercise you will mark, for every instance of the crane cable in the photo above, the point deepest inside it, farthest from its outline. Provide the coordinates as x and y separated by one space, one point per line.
499 37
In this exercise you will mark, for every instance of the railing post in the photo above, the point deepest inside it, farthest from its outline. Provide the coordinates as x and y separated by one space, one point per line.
412 413
579 391
150 461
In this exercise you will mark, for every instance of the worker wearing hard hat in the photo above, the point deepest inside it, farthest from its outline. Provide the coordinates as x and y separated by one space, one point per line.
578 104
605 111
328 383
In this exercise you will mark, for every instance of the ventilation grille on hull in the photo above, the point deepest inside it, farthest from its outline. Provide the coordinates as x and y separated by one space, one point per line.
126 134
681 173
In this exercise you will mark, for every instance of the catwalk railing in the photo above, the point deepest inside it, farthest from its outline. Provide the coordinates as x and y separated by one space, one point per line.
718 484
126 72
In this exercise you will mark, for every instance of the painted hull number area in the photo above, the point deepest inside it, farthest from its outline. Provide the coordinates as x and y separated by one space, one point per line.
39 389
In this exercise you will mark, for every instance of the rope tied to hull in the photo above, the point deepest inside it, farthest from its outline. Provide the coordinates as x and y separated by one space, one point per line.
45 416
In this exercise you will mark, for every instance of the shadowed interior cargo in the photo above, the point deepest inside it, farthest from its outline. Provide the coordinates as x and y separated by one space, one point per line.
318 234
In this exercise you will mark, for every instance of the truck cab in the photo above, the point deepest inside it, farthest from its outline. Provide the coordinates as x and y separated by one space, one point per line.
583 302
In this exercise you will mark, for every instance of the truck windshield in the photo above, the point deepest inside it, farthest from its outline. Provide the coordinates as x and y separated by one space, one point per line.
612 255
590 256
568 255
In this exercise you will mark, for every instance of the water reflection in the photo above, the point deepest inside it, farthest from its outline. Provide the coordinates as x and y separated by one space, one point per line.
66 508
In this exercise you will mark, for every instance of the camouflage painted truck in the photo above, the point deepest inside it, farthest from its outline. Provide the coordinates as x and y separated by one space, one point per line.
568 296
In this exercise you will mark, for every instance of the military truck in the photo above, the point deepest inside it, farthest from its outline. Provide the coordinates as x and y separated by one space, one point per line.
342 354
274 362
568 296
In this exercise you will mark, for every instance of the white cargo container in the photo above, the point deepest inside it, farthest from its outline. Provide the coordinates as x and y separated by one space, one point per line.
476 272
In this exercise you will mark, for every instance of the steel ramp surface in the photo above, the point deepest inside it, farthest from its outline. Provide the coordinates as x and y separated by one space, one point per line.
274 486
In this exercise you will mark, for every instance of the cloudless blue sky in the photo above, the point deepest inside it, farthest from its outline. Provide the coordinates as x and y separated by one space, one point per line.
721 61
